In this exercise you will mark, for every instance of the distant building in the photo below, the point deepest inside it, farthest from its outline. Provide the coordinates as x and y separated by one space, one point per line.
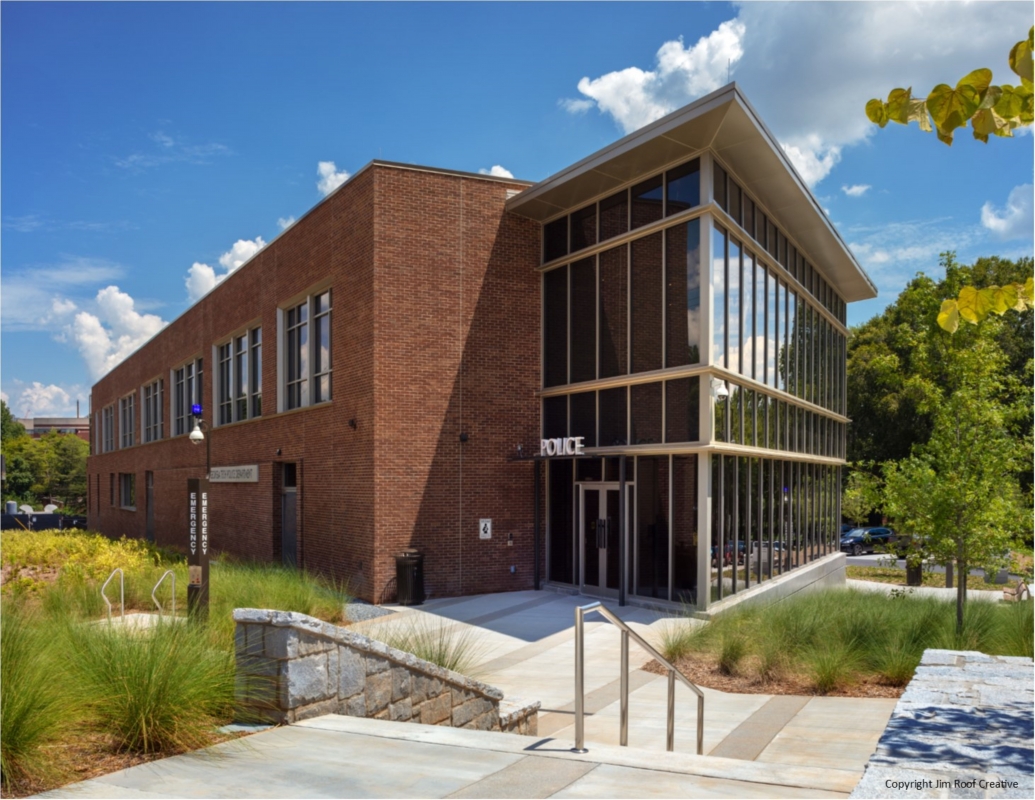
38 426
625 380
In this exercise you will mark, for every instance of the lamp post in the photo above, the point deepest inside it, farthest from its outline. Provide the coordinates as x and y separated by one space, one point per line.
197 499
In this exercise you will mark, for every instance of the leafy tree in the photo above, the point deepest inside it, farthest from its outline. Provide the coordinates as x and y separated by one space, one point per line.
990 110
10 428
51 469
861 495
957 493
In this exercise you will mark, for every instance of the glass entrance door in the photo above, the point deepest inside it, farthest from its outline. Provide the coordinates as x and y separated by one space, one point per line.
600 539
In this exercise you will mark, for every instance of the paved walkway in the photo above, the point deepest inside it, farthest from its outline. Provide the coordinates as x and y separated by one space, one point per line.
756 745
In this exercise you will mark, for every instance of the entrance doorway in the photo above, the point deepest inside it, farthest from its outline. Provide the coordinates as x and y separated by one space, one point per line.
600 537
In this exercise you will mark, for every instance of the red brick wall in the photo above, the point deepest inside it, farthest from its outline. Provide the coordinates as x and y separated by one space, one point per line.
435 331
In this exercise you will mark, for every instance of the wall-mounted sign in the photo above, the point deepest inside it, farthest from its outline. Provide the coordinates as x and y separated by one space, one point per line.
570 446
485 529
245 474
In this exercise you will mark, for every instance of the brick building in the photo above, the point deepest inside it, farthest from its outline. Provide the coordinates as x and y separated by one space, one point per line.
384 374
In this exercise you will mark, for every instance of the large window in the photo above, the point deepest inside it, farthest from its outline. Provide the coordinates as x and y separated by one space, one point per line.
187 390
308 352
153 411
239 377
108 429
127 490
127 421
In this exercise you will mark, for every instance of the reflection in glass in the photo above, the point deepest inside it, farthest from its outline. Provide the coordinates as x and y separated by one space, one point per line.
719 185
555 417
613 417
583 228
684 187
772 332
645 405
613 310
720 321
646 299
647 199
682 410
684 528
652 527
560 521
734 204
614 215
683 294
555 327
584 417
759 373
583 320
733 299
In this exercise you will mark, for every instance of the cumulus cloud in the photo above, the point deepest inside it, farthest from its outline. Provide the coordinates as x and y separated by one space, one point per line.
117 329
497 171
51 400
33 298
635 97
285 222
202 279
330 177
830 57
1015 220
3 396
856 190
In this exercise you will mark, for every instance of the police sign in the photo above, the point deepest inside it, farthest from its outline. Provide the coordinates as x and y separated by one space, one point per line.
569 446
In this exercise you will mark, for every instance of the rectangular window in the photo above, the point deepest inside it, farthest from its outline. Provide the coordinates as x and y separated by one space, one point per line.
720 321
154 411
307 341
256 372
584 228
108 430
647 198
735 197
127 490
241 377
555 239
555 417
584 417
719 186
683 187
646 301
612 417
682 410
298 356
645 404
111 488
683 294
583 320
127 420
187 391
555 327
226 411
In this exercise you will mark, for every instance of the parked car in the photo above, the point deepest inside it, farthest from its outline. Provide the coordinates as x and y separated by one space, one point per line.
865 540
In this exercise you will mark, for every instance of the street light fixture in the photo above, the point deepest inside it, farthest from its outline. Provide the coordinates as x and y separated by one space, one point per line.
197 499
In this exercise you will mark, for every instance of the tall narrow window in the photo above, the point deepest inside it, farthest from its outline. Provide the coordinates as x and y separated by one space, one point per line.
683 187
241 377
720 322
645 301
683 294
226 409
647 199
555 327
322 347
153 411
187 390
256 371
108 430
127 421
614 215
583 320
298 356
584 228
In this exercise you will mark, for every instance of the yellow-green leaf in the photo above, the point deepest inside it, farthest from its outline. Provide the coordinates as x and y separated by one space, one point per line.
1005 298
952 108
986 122
1020 58
974 305
949 316
1010 103
877 112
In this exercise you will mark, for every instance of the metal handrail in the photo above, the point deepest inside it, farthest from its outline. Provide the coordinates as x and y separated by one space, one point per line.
122 593
166 574
673 673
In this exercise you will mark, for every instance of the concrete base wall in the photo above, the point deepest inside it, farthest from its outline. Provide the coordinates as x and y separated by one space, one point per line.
824 573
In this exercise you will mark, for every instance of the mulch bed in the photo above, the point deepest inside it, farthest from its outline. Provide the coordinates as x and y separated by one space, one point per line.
703 670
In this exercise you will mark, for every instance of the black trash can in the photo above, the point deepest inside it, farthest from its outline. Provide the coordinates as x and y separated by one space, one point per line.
409 578
914 574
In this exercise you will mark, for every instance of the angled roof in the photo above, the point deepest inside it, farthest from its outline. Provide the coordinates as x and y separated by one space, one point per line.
725 123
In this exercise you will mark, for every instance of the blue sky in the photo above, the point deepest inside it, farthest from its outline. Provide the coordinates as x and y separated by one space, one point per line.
150 148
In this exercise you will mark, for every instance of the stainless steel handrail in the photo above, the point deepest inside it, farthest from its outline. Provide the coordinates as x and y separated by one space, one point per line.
673 673
166 574
122 592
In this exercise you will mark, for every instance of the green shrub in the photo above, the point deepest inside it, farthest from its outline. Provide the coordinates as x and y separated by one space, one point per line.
680 639
34 711
162 690
831 667
732 649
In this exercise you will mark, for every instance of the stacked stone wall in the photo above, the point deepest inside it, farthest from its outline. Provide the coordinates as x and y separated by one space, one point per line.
292 667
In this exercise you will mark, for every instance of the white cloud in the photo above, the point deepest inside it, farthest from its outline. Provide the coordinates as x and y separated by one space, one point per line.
202 279
62 307
893 253
829 57
573 106
1016 220
117 329
497 171
24 224
171 150
37 400
32 298
636 97
856 190
285 222
330 178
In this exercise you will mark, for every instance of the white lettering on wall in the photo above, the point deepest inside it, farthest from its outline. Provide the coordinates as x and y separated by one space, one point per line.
570 446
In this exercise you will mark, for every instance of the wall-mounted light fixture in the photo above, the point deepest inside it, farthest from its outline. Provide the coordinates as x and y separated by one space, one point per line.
352 424
719 390
463 437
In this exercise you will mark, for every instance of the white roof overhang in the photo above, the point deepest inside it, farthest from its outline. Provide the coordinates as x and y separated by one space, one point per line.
725 123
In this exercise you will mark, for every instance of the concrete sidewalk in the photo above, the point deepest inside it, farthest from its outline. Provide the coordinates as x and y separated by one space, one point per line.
337 756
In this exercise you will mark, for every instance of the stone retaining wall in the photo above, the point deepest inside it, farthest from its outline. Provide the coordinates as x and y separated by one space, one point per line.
292 667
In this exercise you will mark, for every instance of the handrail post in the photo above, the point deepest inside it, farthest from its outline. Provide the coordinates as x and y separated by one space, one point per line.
580 646
670 733
167 574
700 725
624 731
122 593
